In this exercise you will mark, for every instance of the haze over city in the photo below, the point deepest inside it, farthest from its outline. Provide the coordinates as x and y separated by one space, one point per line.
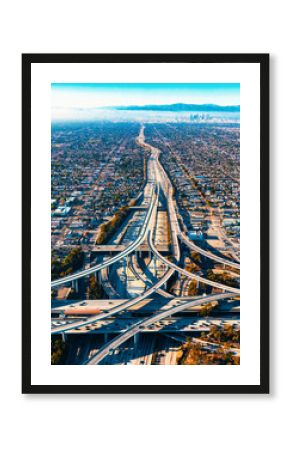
89 101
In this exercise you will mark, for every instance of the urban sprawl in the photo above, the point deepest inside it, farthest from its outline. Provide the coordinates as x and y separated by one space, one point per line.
145 243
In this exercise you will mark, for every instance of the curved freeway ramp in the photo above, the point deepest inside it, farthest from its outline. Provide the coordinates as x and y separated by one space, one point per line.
107 284
206 253
116 309
189 274
114 259
115 343
134 266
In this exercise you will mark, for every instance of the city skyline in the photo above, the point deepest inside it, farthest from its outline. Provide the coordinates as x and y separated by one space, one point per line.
81 101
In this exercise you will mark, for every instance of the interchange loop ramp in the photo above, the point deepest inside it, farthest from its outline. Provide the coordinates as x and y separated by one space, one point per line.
136 270
116 309
206 253
114 259
189 274
135 329
154 288
159 180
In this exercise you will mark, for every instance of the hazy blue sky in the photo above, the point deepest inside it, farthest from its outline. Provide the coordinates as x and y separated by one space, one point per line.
67 97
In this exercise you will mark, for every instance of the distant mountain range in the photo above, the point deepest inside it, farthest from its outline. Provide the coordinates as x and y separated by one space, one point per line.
177 107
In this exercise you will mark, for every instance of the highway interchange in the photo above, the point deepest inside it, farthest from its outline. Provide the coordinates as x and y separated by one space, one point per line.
152 276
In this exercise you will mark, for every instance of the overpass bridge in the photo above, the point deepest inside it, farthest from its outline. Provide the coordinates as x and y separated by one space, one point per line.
167 325
119 248
142 324
158 185
150 305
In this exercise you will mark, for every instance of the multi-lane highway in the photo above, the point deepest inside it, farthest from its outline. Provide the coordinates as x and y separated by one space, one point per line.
198 278
135 329
137 271
135 244
115 310
158 192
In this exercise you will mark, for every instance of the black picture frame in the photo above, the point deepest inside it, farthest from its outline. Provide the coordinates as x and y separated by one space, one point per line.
27 61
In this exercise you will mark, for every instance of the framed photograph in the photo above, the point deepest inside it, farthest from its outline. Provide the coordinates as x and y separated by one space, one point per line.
145 223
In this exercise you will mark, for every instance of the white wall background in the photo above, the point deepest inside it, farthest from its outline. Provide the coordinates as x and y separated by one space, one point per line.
47 422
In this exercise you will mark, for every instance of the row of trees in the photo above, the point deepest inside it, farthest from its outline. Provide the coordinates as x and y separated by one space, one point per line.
195 256
168 232
205 310
223 278
227 334
192 288
70 263
197 354
58 348
197 289
108 229
95 289
192 267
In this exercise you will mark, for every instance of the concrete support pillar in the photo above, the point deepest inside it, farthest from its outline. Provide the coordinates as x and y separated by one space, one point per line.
136 339
98 274
197 284
125 266
75 285
63 337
